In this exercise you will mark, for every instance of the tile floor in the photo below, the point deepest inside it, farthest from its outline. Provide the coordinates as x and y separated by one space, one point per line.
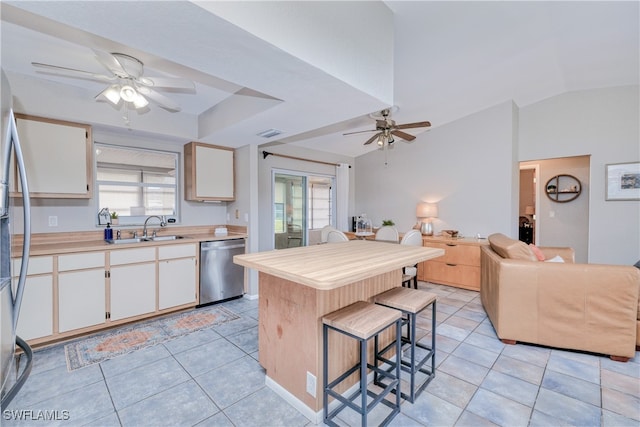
212 378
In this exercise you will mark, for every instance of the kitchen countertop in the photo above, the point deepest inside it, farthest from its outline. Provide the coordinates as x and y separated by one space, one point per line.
71 246
332 265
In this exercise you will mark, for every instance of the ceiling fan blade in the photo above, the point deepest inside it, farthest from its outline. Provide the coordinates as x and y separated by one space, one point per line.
359 131
373 138
159 99
403 135
168 83
413 125
72 72
110 63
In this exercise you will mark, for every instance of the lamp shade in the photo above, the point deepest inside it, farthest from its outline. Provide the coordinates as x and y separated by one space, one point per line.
427 210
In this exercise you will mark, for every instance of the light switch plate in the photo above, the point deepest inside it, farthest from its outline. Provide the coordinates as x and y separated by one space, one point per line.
53 221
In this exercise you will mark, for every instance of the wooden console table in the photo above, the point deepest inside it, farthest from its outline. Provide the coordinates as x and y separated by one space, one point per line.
300 285
460 265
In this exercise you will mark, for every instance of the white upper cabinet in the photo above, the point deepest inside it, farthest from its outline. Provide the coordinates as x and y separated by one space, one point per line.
58 157
208 172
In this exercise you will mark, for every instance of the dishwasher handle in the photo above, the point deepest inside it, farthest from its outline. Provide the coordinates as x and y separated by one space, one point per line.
219 248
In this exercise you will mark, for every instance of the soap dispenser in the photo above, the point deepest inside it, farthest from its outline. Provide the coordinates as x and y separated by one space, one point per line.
108 232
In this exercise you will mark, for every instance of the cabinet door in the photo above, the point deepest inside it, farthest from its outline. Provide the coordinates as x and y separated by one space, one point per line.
209 172
81 299
177 282
58 157
133 290
36 311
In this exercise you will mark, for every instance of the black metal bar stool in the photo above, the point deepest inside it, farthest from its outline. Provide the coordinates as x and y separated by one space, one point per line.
410 302
361 321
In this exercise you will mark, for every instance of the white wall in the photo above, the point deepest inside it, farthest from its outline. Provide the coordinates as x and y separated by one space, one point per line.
470 167
605 124
467 167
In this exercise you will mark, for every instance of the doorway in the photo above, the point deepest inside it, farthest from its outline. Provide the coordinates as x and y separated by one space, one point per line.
302 205
528 205
559 221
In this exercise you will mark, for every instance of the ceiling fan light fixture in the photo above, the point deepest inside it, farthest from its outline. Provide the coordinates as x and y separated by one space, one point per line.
381 141
128 93
140 101
112 93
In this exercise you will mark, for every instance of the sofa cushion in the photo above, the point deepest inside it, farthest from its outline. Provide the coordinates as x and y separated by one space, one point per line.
536 251
510 248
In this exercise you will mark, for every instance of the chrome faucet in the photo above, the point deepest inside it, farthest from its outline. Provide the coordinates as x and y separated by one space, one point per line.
163 222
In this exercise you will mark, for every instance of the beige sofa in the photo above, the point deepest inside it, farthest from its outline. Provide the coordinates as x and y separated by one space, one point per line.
588 307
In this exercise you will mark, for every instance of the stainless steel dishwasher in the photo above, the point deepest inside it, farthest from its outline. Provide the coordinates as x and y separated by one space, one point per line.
220 278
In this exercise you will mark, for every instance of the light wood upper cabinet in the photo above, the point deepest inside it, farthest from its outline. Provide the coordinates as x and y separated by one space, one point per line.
208 172
58 156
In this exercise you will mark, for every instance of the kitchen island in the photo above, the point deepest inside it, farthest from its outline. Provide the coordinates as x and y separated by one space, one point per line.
298 286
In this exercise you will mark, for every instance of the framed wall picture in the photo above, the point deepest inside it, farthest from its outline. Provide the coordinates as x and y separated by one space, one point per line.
623 181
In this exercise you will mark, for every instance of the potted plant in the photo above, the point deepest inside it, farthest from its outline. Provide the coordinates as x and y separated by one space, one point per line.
388 222
114 218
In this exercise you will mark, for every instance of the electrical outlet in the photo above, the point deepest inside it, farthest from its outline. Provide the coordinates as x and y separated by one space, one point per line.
246 217
237 214
53 221
311 384
228 216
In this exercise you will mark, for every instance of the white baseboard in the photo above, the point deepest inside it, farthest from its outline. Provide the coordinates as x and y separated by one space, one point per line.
250 296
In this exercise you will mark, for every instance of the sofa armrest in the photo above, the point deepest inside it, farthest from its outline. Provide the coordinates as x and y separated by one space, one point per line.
567 254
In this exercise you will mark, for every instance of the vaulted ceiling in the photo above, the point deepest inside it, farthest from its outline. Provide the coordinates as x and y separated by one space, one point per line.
314 70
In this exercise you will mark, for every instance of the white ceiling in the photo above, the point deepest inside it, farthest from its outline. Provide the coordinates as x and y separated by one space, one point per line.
260 65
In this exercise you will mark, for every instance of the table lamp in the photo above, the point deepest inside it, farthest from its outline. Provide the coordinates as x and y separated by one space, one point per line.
426 212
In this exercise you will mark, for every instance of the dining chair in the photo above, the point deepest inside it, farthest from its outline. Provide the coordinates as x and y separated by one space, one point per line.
410 273
336 236
387 233
324 232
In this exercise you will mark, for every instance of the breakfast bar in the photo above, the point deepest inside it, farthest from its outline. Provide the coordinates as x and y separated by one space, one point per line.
300 285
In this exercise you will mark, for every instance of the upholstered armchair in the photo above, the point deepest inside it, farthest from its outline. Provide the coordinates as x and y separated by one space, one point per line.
588 307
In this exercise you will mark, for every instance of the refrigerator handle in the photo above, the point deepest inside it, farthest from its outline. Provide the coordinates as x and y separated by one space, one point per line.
26 203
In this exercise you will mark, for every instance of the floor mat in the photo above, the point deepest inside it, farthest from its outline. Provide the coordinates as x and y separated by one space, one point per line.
116 342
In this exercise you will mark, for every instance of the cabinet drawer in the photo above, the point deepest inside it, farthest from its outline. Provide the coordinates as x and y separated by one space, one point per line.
458 254
177 251
80 261
457 274
37 265
132 256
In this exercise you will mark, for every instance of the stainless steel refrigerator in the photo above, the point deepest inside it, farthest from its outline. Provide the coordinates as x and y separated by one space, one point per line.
12 375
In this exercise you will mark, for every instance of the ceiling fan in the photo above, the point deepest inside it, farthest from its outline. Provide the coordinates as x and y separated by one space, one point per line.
387 128
127 85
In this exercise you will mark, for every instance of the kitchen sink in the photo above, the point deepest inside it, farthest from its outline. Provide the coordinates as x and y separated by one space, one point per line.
143 239
161 238
123 241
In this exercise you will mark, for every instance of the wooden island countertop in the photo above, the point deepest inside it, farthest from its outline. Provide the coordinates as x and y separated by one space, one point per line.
332 265
297 287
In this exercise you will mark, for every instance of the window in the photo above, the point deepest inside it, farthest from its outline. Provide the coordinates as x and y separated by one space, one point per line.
319 204
136 183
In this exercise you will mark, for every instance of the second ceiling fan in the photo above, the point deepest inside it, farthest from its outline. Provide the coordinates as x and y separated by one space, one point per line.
386 129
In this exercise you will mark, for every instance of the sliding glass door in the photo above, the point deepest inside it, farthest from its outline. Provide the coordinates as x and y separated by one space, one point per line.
302 205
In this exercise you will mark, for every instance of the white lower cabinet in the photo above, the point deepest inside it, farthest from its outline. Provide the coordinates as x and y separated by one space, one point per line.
132 282
81 290
36 311
87 288
177 275
81 299
176 282
133 290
